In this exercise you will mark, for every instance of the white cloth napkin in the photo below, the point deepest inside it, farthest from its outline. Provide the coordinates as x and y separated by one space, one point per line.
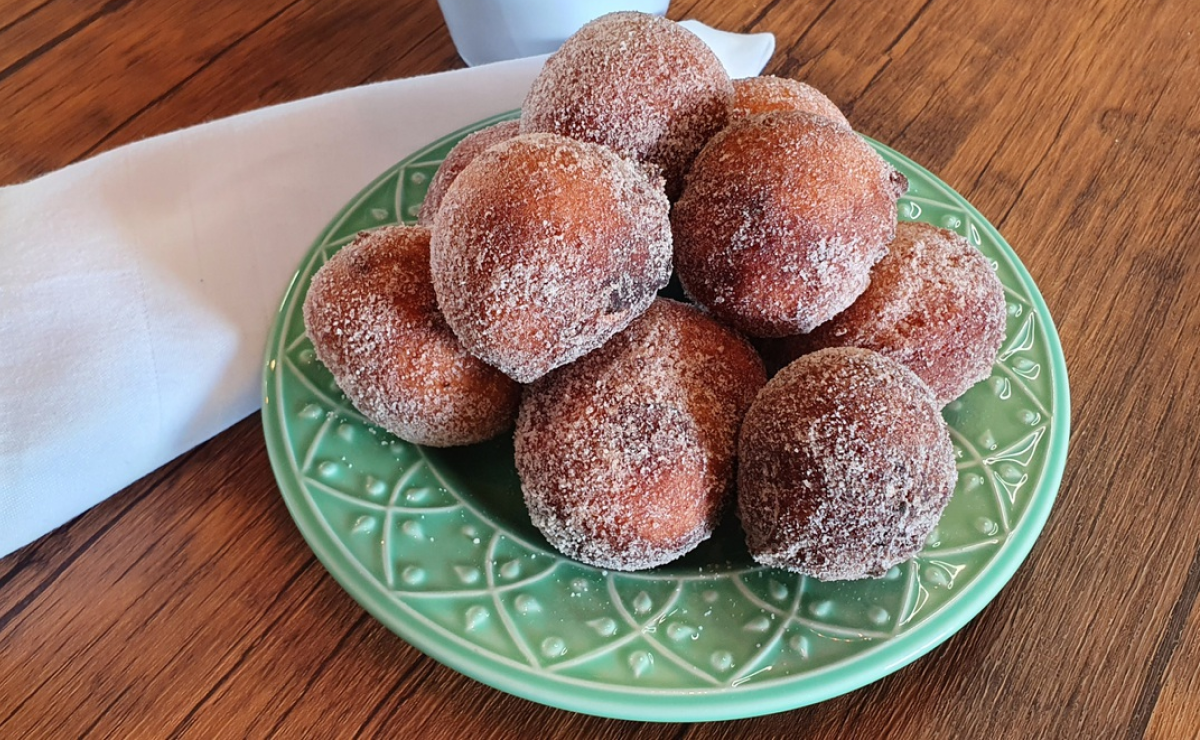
137 287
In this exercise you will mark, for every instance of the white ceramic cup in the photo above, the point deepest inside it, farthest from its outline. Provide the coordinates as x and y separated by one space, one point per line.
486 31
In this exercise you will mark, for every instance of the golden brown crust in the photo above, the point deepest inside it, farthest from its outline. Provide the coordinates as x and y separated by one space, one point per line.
643 85
765 94
372 319
463 153
781 220
934 304
845 466
545 247
626 456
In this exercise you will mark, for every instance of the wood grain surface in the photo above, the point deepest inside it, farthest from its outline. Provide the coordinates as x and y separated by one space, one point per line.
189 605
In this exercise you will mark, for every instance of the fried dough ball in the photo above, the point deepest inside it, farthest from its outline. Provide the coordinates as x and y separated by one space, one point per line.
371 316
781 220
767 93
459 157
544 247
643 85
845 466
626 457
934 304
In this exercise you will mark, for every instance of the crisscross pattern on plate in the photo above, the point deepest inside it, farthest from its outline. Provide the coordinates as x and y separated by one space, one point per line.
436 544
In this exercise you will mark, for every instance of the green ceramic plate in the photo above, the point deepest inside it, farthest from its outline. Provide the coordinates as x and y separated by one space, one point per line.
436 543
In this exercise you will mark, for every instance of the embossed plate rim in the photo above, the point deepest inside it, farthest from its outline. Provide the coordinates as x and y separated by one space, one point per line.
651 703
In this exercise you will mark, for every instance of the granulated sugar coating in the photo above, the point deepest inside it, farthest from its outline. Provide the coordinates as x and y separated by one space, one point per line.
458 158
544 247
371 316
626 457
643 85
845 466
781 220
934 304
765 94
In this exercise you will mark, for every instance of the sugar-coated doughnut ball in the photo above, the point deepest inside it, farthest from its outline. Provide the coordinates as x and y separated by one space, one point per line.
544 247
782 218
767 93
626 457
459 157
845 466
934 303
372 319
640 84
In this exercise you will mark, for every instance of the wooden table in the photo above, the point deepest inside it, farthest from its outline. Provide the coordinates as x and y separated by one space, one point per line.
188 604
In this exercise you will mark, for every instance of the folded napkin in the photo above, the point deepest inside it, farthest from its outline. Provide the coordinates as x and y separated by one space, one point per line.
137 288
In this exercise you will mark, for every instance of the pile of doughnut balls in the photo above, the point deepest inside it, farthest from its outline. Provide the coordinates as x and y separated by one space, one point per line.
527 296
